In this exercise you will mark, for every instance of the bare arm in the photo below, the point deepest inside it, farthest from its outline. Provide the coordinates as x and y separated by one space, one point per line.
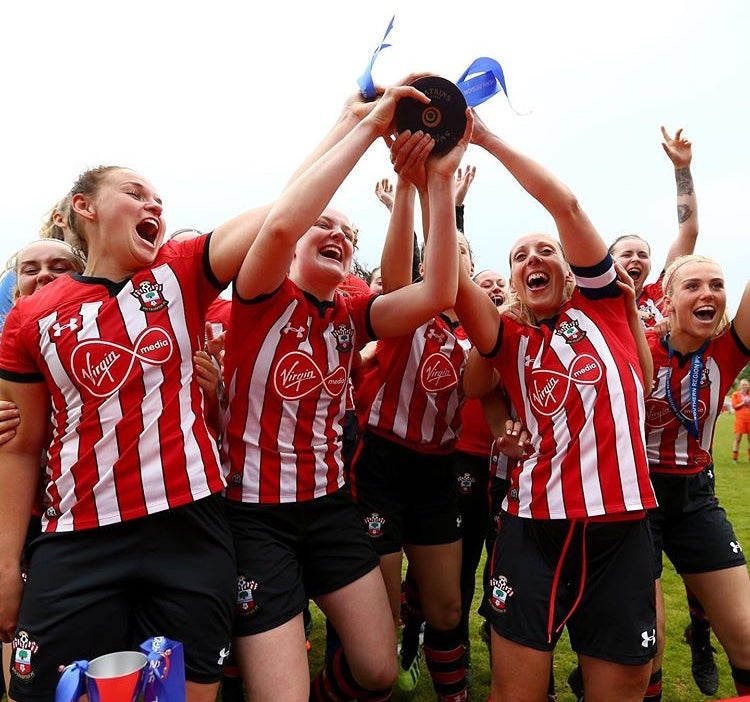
231 240
625 283
480 377
403 310
19 480
742 318
680 152
303 200
581 242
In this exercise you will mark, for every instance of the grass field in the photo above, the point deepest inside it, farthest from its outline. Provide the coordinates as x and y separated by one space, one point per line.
733 489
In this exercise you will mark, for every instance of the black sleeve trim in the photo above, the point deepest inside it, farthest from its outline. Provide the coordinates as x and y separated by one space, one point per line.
496 347
207 265
368 324
21 377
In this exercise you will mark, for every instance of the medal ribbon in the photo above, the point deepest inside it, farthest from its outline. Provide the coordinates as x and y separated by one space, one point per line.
696 370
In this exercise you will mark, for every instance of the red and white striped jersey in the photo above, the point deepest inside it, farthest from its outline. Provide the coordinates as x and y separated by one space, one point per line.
129 437
287 363
576 386
650 302
670 446
413 393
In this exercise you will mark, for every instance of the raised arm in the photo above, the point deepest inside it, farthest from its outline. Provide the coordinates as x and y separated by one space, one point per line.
680 152
625 283
403 310
742 318
580 241
231 240
305 198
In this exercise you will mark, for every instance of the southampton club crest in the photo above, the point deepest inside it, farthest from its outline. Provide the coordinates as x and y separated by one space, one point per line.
150 296
344 337
500 591
570 331
245 604
374 524
23 650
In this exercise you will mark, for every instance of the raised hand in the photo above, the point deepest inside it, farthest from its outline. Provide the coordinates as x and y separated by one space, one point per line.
464 179
384 193
679 150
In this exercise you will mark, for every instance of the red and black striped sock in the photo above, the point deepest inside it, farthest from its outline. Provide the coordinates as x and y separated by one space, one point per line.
335 683
741 678
653 691
444 655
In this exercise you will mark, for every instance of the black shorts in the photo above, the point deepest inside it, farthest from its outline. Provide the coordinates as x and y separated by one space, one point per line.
593 577
691 527
289 552
110 588
404 496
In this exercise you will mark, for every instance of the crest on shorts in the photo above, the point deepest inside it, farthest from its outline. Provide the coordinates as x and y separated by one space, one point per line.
465 483
150 297
245 604
344 337
570 331
24 647
500 591
374 524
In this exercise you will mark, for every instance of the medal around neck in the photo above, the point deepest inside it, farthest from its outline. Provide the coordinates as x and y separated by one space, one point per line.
443 118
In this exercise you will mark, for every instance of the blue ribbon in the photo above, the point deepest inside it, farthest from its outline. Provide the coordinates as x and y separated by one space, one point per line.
696 371
481 80
72 682
365 82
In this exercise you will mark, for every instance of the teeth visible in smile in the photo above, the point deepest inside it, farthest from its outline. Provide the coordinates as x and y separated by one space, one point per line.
707 313
331 252
536 280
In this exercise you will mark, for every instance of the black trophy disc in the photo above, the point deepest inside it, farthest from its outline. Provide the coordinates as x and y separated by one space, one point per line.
443 118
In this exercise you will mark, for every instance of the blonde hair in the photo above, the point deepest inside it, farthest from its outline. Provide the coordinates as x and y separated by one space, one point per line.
667 284
76 257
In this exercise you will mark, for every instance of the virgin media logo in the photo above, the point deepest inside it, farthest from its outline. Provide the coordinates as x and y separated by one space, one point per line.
549 389
437 373
297 375
102 367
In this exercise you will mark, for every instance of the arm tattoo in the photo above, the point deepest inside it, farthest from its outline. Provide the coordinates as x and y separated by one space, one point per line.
684 181
684 213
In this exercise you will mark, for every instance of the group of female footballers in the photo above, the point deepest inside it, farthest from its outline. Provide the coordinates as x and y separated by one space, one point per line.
152 525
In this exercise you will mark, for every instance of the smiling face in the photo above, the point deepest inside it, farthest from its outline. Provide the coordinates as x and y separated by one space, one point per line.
41 262
695 298
120 217
494 285
634 255
538 274
323 256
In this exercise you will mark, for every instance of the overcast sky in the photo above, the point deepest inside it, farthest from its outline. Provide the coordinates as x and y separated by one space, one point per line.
217 102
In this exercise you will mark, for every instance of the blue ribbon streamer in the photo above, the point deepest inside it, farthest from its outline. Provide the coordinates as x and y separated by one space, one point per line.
481 80
71 685
365 82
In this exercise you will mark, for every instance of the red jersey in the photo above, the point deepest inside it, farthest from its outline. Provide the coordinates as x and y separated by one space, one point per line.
129 437
576 386
218 314
413 394
650 302
672 448
287 363
475 437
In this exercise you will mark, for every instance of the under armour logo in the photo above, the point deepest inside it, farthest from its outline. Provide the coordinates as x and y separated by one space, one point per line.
736 548
459 521
648 639
57 328
223 654
528 360
298 331
435 334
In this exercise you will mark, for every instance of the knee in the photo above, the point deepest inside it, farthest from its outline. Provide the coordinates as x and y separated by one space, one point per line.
380 673
447 616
